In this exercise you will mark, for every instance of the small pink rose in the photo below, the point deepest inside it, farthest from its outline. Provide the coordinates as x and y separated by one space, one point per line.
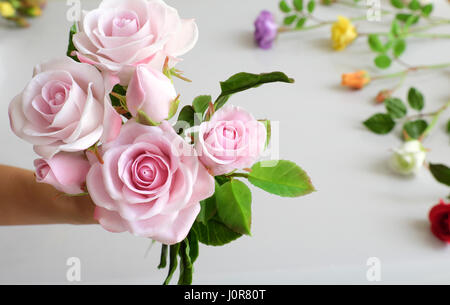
121 34
65 171
63 108
150 184
152 92
232 139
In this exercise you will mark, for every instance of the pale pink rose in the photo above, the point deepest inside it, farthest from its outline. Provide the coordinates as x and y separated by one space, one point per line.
63 108
65 171
150 183
232 139
121 34
152 92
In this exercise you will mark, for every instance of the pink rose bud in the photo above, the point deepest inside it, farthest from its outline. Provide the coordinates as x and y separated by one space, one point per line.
121 34
150 184
232 139
63 108
65 171
152 92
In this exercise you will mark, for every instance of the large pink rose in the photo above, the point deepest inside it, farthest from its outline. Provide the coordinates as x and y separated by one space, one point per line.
121 34
150 184
152 92
63 108
232 139
65 171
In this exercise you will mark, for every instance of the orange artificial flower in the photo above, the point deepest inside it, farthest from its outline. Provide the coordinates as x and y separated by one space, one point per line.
383 95
355 80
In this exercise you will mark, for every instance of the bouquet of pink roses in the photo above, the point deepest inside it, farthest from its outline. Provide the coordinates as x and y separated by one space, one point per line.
99 121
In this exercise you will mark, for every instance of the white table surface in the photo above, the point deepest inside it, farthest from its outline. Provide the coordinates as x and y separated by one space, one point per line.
361 209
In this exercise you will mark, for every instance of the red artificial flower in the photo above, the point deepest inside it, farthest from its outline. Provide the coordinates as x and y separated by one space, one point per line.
439 218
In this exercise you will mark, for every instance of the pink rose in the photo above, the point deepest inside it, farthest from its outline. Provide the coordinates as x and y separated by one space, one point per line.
65 171
232 139
63 108
121 34
152 92
150 184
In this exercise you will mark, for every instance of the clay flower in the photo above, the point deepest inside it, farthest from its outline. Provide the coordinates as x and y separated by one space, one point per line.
6 9
63 108
150 184
343 32
409 158
355 80
232 139
122 34
65 171
152 92
266 30
439 218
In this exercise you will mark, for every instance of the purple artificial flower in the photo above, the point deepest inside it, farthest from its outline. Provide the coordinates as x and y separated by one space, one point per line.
266 30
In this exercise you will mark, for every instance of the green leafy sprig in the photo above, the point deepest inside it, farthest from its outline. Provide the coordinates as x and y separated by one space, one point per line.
227 215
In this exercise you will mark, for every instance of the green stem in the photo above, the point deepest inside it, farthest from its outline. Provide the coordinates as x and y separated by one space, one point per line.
284 29
412 69
428 35
237 175
434 120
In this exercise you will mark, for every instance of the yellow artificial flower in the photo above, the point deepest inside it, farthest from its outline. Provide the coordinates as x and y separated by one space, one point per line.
6 9
343 32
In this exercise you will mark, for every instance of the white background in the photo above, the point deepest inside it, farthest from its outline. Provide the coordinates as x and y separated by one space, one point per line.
360 210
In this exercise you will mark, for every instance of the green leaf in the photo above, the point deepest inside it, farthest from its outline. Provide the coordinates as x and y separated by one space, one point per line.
409 18
186 268
448 126
193 246
414 5
398 3
163 259
281 177
119 90
413 19
233 201
395 28
300 23
173 262
222 179
214 233
395 107
382 61
380 123
416 99
284 7
244 81
185 119
298 4
441 173
375 43
427 9
71 46
200 105
415 128
289 19
399 47
311 6
208 207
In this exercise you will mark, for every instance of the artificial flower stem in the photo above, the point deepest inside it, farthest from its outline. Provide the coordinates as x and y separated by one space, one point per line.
434 120
238 175
411 69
